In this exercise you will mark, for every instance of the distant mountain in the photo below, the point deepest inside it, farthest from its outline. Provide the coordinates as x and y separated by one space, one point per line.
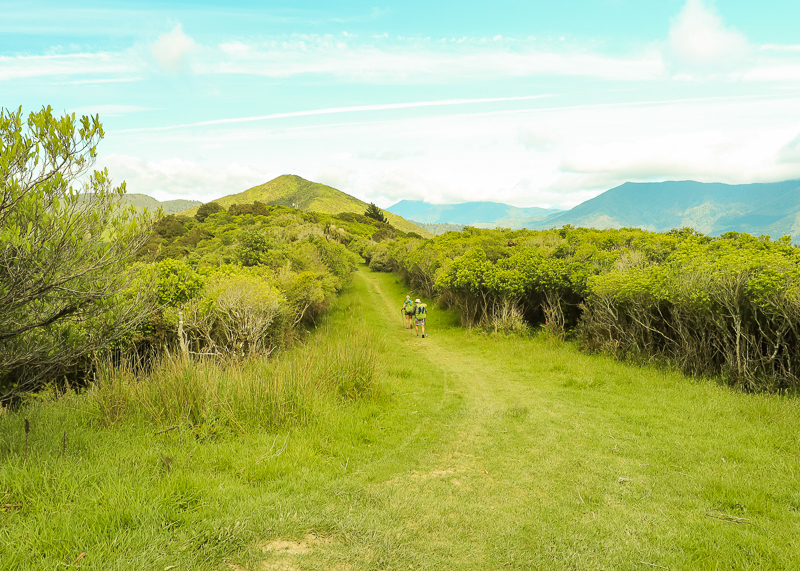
292 190
711 208
439 227
142 201
480 214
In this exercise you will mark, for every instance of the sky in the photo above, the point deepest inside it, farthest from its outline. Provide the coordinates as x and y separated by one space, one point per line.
526 102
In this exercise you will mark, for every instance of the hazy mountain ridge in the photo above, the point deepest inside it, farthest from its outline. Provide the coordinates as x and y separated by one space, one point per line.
711 208
294 191
142 201
439 227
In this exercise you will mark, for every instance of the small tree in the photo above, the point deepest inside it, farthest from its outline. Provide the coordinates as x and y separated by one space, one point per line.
206 210
65 243
375 213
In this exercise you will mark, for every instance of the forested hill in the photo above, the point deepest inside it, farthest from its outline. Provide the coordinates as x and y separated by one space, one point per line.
294 191
479 214
711 208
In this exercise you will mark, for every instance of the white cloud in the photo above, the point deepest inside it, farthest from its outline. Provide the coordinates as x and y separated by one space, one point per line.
171 50
535 139
407 60
178 177
351 109
392 186
108 110
479 156
700 45
700 41
780 47
101 81
76 64
388 155
335 176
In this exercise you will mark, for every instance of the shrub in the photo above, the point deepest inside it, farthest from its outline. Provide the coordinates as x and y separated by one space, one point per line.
238 315
206 210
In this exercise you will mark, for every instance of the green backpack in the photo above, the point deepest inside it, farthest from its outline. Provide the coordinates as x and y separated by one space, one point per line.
408 307
422 311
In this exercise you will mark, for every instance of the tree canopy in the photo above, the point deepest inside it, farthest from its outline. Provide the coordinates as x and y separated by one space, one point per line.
375 213
65 243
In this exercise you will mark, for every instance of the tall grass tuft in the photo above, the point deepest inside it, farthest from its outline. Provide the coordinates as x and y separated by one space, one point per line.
214 395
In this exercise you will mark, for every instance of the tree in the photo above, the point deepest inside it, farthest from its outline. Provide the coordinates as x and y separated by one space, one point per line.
65 245
375 213
206 210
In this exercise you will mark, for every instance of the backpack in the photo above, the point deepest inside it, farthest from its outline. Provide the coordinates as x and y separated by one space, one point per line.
408 307
422 311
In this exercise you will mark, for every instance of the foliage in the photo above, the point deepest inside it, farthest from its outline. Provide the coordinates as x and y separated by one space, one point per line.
729 306
256 209
239 283
65 246
723 306
176 283
206 210
375 213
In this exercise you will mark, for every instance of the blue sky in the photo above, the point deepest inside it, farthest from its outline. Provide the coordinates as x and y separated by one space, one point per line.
526 102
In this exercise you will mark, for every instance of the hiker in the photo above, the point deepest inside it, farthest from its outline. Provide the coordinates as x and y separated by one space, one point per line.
420 313
408 310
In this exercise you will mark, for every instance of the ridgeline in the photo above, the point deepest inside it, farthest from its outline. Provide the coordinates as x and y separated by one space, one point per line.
296 192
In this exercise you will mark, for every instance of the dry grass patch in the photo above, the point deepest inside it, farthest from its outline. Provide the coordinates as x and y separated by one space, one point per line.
292 547
286 554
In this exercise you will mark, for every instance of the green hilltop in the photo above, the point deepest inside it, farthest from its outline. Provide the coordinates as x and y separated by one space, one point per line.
294 191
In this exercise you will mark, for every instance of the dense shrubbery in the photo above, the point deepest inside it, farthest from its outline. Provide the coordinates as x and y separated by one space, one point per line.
65 247
728 305
82 277
238 282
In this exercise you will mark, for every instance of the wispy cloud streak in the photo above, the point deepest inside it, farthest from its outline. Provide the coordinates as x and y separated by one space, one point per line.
335 110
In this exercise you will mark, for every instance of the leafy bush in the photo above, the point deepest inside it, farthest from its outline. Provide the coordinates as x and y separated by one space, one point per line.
724 306
65 248
206 210
238 315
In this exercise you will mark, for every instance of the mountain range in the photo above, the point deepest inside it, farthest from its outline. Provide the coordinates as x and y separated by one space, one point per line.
711 208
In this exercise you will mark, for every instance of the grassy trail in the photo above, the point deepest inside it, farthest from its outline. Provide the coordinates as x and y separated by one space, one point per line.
478 452
555 459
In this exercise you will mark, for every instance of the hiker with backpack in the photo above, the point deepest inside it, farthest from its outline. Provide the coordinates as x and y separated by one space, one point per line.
407 310
420 313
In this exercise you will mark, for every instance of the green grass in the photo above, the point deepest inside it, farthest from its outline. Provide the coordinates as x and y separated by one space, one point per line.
474 451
